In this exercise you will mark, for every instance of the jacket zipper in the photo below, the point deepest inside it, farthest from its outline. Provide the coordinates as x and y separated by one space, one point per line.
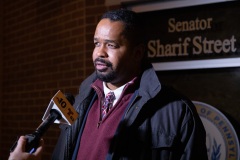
99 123
99 93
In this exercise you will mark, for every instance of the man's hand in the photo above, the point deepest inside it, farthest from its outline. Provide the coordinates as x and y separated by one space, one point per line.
20 154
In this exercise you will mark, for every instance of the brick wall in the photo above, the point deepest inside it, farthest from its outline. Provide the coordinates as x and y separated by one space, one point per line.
1 44
47 46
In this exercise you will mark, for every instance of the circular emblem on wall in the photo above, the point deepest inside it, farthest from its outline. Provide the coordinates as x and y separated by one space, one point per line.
221 138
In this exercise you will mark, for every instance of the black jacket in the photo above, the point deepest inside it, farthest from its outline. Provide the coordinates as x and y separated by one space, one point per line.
159 124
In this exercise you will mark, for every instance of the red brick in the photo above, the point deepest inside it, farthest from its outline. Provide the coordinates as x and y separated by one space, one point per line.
47 47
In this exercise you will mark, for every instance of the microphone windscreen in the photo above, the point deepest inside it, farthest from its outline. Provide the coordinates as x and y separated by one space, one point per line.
70 98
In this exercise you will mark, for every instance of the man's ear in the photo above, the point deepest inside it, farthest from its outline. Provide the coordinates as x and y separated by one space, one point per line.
139 52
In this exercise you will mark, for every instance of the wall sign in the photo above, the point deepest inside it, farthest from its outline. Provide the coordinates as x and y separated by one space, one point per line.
196 37
221 138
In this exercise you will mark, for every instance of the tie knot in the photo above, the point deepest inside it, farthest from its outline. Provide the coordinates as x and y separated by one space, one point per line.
109 97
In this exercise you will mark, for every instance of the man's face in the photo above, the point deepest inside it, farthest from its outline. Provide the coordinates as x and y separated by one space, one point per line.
113 54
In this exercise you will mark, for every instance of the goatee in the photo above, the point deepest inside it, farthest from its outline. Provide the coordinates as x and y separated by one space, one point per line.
108 77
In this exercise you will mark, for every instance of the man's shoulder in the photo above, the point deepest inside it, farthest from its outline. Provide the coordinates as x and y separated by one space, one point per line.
171 100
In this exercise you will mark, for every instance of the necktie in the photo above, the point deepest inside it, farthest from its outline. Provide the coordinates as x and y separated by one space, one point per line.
108 103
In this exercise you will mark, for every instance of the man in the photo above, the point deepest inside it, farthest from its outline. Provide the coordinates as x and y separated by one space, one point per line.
147 120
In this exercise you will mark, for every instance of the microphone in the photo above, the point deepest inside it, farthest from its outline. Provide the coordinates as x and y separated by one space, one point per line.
60 110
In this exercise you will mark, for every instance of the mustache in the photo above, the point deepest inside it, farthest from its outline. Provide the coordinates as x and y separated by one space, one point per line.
109 64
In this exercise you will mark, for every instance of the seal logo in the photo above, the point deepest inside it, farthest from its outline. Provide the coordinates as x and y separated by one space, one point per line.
221 138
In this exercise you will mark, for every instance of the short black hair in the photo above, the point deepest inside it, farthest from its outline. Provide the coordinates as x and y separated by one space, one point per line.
132 22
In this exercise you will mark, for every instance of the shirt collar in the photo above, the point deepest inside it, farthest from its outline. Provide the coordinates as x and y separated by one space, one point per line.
117 92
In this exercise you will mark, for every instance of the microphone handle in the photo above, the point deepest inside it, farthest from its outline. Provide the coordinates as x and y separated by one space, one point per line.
34 138
43 127
31 144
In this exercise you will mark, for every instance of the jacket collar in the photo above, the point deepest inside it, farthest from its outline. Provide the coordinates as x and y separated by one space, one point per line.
149 83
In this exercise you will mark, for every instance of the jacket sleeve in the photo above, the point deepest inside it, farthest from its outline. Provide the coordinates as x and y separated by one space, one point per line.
193 137
182 135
